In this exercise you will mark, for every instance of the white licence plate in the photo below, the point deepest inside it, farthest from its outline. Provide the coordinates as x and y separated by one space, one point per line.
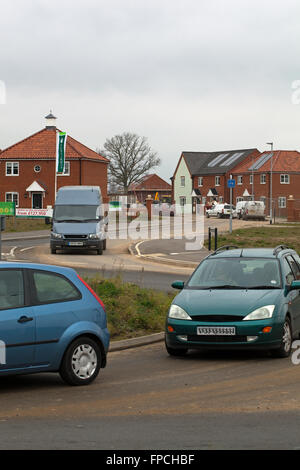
216 330
75 243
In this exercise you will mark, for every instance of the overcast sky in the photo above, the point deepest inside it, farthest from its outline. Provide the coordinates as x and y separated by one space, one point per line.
193 75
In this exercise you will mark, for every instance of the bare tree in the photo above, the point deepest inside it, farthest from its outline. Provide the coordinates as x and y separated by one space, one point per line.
130 157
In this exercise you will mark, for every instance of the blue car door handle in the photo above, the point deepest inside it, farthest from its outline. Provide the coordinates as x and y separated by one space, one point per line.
24 319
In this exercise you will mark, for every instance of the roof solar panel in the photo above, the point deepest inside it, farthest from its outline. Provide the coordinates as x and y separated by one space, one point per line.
232 159
218 159
261 161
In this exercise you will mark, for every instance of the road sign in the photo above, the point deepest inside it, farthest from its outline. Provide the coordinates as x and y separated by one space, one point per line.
7 208
230 183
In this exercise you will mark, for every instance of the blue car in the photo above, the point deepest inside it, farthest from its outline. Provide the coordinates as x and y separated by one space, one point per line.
50 321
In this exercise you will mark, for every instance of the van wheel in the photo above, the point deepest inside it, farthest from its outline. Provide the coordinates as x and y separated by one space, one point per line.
286 342
81 362
104 244
100 249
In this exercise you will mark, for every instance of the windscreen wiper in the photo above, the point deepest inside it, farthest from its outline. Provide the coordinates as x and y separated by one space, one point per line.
225 286
68 220
263 287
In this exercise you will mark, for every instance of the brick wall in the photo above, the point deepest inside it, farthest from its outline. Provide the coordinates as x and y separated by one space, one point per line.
93 173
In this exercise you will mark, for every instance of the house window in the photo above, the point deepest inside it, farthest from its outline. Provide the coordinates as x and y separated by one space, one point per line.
239 198
282 202
220 199
284 179
251 179
12 168
263 178
182 181
217 180
200 181
66 170
12 197
239 179
182 201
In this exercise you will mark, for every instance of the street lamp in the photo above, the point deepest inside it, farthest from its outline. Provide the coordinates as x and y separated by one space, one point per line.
271 174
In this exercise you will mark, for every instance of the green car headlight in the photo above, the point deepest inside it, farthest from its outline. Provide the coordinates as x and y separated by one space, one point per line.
261 313
178 313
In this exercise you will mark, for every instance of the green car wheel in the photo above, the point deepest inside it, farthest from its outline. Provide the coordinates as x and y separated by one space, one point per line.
286 342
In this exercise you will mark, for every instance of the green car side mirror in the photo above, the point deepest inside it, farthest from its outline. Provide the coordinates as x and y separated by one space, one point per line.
179 285
295 285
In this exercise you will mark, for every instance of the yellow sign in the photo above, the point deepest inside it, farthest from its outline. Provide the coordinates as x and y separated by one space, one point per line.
156 197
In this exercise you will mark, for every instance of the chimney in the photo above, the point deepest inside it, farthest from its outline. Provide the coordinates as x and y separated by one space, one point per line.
50 121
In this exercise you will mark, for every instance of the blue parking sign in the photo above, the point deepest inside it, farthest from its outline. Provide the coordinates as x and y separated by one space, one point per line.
231 183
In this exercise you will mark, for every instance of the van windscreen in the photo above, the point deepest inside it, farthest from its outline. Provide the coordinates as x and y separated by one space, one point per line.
76 213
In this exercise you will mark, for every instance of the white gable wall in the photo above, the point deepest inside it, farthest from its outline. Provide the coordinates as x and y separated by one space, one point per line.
183 191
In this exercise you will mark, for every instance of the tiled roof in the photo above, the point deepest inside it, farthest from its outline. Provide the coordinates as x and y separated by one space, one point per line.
204 163
152 181
42 145
282 160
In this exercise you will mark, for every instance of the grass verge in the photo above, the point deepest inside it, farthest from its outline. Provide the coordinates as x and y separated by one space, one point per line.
15 224
131 310
267 236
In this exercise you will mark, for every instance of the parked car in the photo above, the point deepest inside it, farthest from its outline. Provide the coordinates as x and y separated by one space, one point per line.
78 219
240 208
254 210
239 299
51 321
220 211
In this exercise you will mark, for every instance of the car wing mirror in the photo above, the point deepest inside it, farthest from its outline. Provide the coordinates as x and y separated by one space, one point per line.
295 285
178 285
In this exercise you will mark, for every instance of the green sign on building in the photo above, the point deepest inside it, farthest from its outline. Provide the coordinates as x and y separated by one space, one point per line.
7 208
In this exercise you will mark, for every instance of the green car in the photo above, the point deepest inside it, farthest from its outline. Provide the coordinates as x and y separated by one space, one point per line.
239 299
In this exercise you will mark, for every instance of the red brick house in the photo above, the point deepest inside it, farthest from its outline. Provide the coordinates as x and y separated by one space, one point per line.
201 177
27 168
152 184
277 172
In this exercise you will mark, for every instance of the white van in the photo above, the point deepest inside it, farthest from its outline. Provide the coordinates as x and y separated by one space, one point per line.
254 210
240 208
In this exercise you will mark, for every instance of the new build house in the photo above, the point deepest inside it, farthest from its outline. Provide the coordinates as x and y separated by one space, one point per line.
202 176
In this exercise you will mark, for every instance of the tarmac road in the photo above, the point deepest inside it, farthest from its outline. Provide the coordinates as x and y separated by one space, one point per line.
145 399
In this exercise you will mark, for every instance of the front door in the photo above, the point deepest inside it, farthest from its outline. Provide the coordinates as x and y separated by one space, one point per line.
17 324
37 200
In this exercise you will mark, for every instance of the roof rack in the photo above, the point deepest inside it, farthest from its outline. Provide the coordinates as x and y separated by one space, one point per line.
224 248
279 248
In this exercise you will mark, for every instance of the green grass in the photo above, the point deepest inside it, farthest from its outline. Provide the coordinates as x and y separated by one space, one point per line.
131 310
267 236
15 224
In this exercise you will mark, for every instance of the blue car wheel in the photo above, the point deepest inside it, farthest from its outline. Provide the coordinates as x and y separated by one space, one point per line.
81 362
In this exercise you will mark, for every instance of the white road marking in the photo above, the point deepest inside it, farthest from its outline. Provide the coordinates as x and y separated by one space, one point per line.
12 251
28 248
